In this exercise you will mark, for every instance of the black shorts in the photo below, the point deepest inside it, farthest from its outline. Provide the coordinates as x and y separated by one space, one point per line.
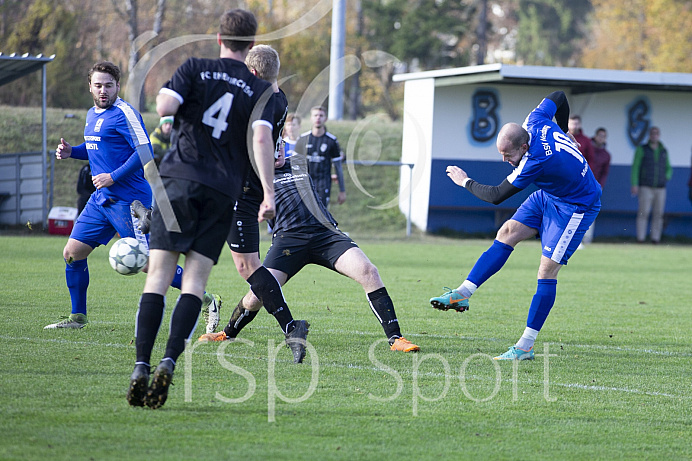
291 251
244 236
203 214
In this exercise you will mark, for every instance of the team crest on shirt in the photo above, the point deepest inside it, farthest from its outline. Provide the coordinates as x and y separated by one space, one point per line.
323 148
97 128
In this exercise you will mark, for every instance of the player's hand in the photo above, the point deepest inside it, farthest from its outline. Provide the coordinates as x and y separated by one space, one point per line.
267 210
64 150
342 198
102 180
634 191
456 174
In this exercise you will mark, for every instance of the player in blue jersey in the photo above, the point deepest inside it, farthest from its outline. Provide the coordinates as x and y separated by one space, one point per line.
560 212
116 145
218 104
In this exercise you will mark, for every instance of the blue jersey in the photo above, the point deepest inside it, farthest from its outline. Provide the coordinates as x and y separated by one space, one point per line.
116 142
553 162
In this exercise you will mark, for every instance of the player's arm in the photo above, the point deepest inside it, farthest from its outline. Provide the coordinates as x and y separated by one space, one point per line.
491 194
263 148
65 150
167 102
562 112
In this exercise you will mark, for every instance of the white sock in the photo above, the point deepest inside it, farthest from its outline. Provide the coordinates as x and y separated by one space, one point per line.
526 341
467 288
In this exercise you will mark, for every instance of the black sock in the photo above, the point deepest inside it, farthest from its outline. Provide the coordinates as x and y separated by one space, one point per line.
268 291
148 322
383 308
239 318
183 322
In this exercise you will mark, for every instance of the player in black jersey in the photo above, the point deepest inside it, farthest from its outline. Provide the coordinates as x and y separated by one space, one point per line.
263 61
323 151
303 236
217 103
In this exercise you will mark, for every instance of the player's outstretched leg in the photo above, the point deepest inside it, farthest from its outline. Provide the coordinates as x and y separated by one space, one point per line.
451 299
297 339
139 383
488 264
383 308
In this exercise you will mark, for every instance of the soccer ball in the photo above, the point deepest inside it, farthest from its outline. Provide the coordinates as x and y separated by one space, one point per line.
128 256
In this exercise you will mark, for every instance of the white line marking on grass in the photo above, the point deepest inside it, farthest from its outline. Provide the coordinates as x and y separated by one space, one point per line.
337 365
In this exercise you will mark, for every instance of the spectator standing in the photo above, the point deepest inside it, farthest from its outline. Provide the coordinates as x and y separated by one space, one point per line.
161 138
651 171
600 166
585 147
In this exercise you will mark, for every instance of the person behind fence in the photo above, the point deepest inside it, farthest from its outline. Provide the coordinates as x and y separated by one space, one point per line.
161 138
600 166
567 201
651 171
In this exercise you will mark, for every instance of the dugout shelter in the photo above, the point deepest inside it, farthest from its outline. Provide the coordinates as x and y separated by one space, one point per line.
452 117
23 175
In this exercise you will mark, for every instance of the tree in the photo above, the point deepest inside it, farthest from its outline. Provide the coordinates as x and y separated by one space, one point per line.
550 32
49 28
652 35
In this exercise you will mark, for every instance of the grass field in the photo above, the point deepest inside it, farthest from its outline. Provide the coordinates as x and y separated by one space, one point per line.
616 385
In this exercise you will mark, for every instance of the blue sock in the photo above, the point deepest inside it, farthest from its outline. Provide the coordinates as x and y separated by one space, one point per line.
490 262
77 277
541 303
178 279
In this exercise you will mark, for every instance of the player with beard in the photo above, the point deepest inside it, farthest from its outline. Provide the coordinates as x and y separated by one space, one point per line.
116 145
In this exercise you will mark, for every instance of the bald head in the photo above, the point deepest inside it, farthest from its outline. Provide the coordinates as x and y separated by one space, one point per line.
512 143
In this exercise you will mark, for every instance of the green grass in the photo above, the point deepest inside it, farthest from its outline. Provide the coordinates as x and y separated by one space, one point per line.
619 382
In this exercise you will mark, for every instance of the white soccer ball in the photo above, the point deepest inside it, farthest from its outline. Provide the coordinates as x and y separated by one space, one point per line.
128 256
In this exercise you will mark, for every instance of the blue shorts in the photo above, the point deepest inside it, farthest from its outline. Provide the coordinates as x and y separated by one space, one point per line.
97 224
561 226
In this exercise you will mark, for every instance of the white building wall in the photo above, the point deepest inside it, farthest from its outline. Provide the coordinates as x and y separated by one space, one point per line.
419 104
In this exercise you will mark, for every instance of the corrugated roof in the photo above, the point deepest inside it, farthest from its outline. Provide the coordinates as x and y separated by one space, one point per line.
13 67
580 80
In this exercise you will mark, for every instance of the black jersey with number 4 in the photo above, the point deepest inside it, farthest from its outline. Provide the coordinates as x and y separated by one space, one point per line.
221 101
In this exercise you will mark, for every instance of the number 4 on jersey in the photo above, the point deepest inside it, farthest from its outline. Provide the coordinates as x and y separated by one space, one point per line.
217 114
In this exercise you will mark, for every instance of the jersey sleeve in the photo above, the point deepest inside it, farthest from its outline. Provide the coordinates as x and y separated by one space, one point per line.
526 173
179 86
131 128
80 152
